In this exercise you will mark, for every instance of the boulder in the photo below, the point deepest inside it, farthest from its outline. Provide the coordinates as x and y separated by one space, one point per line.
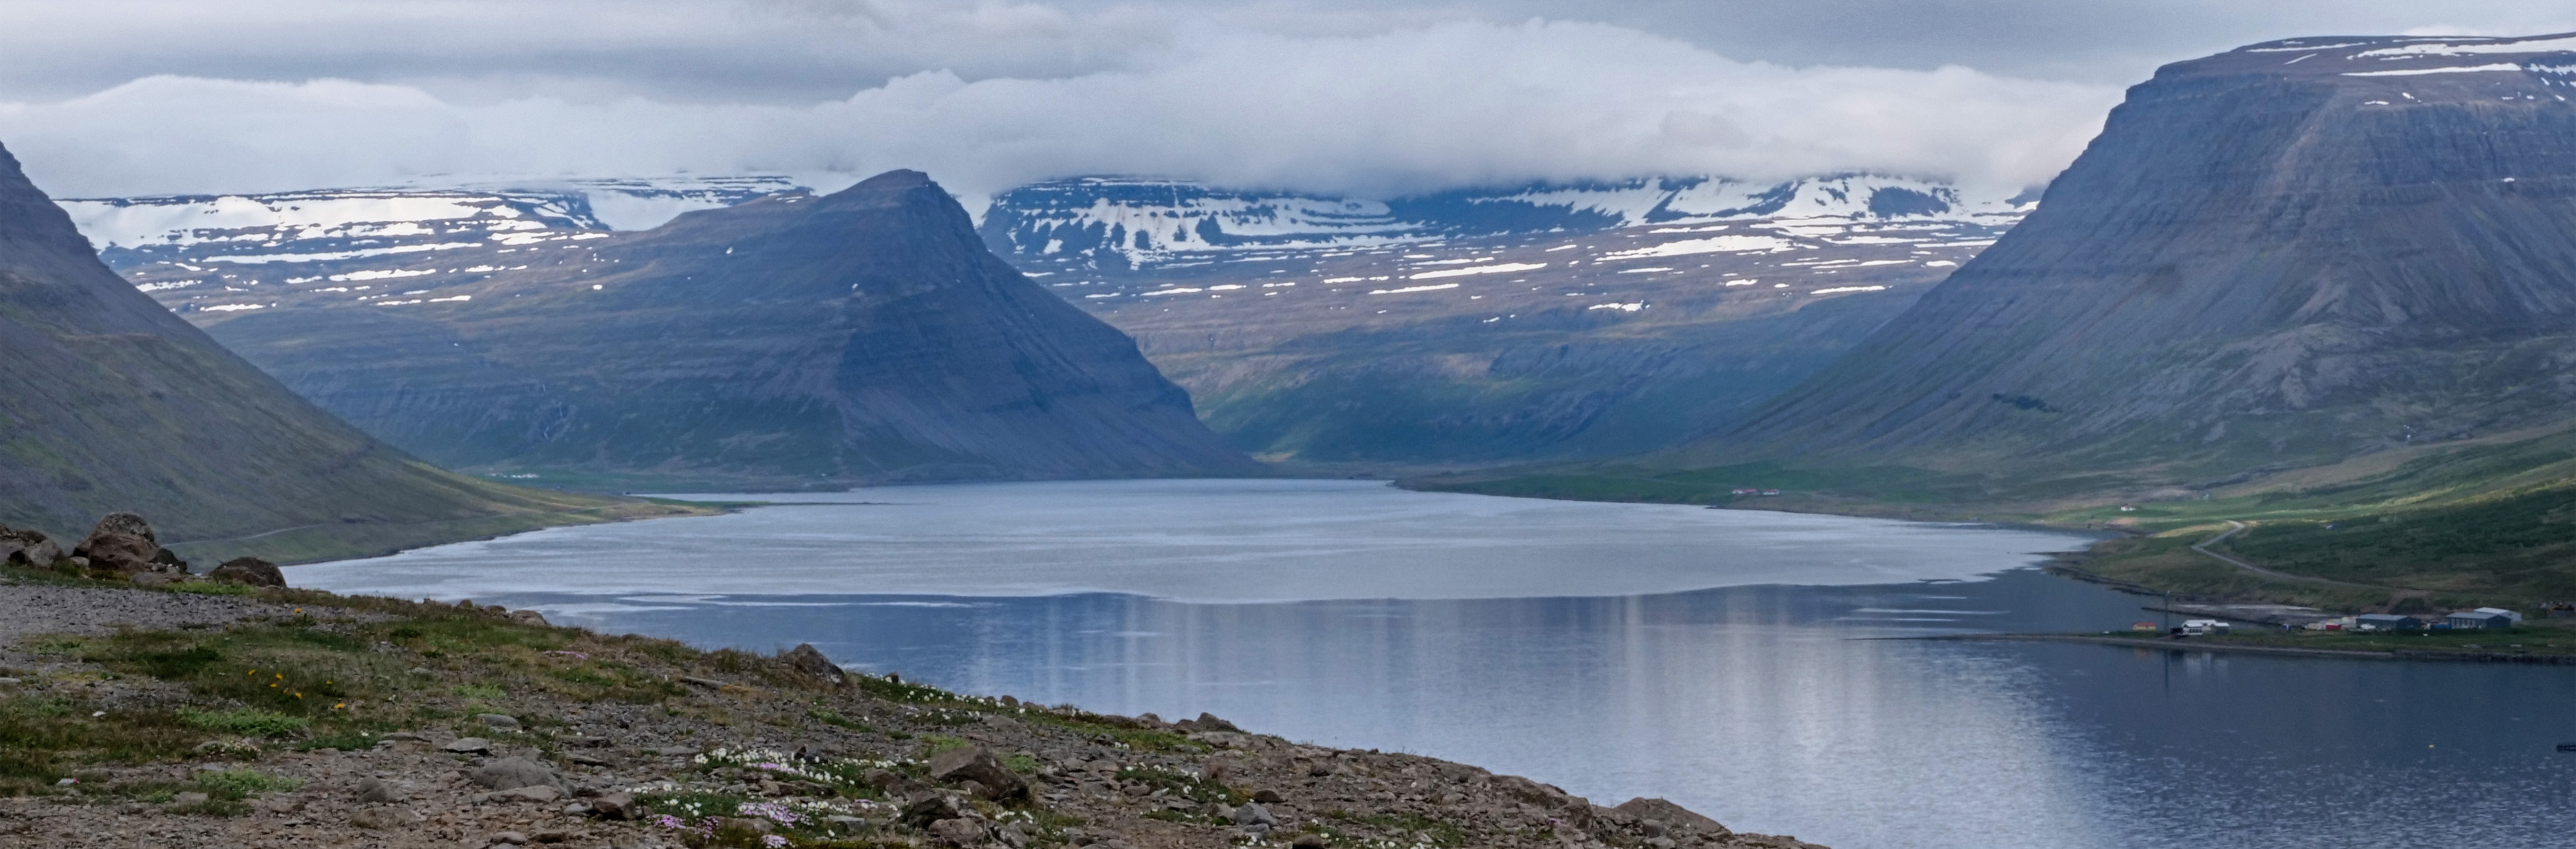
468 745
123 544
497 722
929 809
976 764
28 549
375 790
960 832
251 571
1253 817
512 773
809 660
529 617
1672 816
614 806
1205 722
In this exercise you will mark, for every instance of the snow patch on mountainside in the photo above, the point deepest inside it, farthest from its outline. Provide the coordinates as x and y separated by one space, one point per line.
1132 222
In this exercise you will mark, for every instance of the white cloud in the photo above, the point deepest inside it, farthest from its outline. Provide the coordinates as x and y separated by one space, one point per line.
1422 107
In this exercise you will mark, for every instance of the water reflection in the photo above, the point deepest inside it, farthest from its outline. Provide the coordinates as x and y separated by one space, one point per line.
1759 705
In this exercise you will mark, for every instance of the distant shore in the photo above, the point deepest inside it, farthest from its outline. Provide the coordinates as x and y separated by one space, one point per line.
2547 655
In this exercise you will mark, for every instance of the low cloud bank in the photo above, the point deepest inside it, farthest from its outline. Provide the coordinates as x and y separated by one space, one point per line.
1444 105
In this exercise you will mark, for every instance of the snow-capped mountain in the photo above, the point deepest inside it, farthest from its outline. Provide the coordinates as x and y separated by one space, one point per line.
1535 321
1137 223
232 242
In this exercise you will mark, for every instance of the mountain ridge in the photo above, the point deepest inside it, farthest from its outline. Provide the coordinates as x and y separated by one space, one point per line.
789 341
116 405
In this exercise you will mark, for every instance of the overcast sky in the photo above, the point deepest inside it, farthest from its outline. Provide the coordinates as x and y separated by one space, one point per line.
1376 98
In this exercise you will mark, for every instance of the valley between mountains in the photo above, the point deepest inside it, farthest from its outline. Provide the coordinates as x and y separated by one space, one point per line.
2318 286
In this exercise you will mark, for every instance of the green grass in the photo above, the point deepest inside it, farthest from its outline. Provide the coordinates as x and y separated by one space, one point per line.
248 722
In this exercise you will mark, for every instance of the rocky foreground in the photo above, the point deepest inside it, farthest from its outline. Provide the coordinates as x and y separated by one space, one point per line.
213 714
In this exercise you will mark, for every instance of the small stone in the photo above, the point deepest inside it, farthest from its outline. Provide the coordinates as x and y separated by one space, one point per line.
421 670
510 837
1309 841
469 745
497 722
189 798
576 809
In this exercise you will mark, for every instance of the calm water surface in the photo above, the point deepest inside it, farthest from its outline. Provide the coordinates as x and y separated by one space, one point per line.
1717 658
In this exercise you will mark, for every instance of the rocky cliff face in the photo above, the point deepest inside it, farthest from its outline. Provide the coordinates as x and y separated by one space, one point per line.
865 336
109 402
2285 254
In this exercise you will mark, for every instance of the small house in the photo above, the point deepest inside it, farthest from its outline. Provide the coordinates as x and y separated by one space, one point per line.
2386 622
2198 627
2484 617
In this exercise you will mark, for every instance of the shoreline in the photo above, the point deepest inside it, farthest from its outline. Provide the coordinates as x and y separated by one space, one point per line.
460 725
2206 645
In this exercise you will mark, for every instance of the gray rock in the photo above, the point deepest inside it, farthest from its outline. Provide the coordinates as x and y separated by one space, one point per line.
529 617
468 745
960 832
1671 816
28 549
122 544
248 570
1253 813
976 764
929 809
531 793
512 773
374 790
497 722
614 806
188 798
809 660
511 838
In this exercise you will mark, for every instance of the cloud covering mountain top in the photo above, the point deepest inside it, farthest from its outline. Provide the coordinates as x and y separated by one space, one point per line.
137 96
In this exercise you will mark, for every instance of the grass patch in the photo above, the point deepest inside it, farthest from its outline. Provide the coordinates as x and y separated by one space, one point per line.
248 722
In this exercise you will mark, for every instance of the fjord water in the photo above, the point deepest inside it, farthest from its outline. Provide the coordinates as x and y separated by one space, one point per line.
1728 660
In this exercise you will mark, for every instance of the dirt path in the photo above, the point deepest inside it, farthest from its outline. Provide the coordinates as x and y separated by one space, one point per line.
2233 527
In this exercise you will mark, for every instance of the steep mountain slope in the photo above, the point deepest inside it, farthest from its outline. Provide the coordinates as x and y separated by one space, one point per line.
865 336
115 404
2280 256
1534 322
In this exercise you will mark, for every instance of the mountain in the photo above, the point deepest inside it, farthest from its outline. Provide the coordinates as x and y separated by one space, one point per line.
1479 326
2280 256
115 404
2325 284
1465 327
787 341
